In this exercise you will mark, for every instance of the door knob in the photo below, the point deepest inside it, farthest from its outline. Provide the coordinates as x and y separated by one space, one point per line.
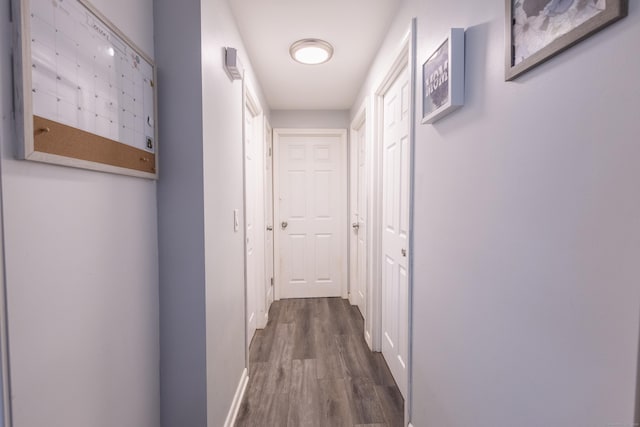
269 228
355 226
404 252
284 224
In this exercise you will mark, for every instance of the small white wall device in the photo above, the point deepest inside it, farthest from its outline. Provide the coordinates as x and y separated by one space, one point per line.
232 64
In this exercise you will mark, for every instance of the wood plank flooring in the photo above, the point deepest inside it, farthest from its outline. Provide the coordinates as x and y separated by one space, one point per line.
311 367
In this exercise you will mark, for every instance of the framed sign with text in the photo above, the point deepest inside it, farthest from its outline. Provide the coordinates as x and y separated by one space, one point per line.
443 78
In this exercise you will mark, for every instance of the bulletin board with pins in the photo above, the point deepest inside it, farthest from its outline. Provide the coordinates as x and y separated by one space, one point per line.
85 94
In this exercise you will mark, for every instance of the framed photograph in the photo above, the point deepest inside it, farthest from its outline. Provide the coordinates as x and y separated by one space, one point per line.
443 78
537 30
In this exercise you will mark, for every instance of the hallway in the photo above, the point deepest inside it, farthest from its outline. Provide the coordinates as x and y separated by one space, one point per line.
311 366
127 301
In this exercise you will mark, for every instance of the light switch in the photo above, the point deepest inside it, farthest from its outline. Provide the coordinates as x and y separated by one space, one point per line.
236 220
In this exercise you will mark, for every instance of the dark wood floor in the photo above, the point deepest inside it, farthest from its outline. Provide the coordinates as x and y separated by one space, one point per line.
311 367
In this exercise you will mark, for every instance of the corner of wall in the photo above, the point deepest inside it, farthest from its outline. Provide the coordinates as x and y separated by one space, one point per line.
183 367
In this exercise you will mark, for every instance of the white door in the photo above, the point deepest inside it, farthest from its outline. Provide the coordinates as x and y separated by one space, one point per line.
268 208
254 216
395 228
311 220
361 281
358 230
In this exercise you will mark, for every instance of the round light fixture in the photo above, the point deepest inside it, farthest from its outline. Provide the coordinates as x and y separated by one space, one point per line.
311 51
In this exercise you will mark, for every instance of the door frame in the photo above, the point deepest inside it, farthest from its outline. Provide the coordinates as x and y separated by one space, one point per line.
5 373
342 134
362 121
250 101
405 57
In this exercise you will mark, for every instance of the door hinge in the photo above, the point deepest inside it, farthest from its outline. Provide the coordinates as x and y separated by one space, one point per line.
272 281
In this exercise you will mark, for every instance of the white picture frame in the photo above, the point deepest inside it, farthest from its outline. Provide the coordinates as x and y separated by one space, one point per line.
443 78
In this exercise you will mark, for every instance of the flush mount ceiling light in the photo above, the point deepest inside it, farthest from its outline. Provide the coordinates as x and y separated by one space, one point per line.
311 51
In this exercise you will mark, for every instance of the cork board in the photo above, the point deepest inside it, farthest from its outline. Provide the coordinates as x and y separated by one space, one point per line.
61 140
85 94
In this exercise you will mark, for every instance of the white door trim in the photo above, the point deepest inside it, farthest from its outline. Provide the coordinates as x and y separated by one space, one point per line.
6 419
342 134
405 57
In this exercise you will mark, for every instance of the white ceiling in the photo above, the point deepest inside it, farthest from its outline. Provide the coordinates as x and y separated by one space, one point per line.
355 28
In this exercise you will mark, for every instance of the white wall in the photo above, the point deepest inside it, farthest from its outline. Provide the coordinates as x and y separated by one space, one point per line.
527 230
201 257
181 214
310 119
81 277
223 189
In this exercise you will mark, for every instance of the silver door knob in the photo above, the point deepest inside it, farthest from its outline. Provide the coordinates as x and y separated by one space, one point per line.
284 224
269 228
355 226
404 252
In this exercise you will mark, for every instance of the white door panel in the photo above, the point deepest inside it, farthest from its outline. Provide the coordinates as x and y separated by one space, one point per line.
250 196
311 220
395 233
268 203
362 219
358 263
254 218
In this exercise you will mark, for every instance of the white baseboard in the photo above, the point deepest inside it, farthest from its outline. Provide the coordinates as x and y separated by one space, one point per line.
237 400
351 299
367 339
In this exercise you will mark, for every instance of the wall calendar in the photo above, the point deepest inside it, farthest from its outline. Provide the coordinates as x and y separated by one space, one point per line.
86 95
